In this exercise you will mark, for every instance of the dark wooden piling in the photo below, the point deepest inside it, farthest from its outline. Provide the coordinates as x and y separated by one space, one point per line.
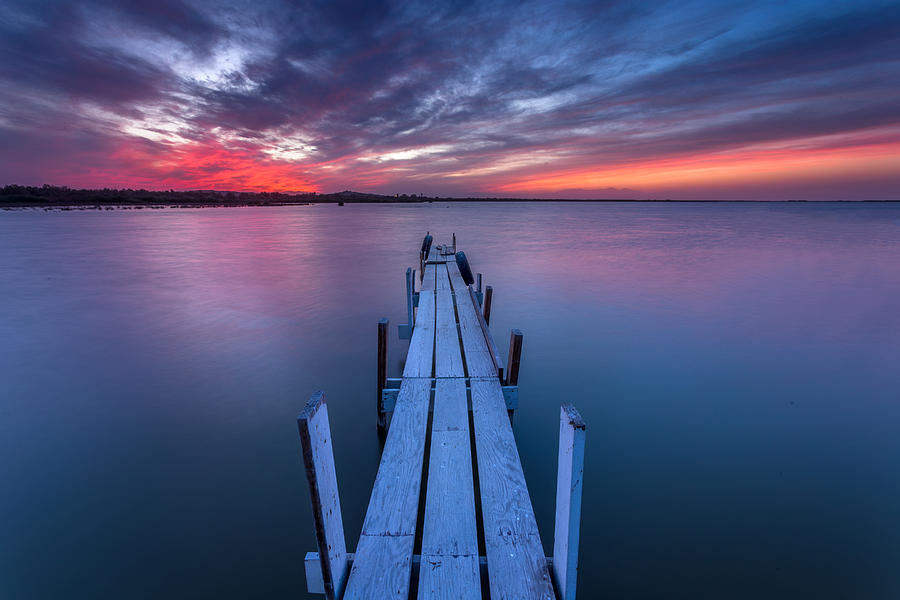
488 296
515 357
382 372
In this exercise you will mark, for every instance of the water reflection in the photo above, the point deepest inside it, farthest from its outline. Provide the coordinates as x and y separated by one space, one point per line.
736 365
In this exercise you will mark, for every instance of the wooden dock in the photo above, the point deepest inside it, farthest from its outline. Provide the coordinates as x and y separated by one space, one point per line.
448 437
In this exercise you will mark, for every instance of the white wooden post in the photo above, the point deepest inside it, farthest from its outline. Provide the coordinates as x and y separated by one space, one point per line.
315 439
568 501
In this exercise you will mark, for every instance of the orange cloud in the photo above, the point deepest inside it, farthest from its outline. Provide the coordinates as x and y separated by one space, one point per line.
788 163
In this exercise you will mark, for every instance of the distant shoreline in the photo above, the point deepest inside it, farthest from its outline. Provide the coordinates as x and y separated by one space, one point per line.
57 206
13 197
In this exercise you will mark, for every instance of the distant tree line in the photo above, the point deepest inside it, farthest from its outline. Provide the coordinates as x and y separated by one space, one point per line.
50 195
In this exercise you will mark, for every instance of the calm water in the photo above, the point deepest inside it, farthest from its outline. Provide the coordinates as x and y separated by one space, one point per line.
737 366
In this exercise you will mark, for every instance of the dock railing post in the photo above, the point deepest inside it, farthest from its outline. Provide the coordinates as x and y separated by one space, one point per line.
410 291
568 501
514 357
454 243
488 296
318 458
382 372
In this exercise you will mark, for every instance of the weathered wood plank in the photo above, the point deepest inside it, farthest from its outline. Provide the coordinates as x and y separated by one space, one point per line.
420 357
318 458
394 503
449 535
517 566
449 527
449 577
384 553
442 279
447 355
569 478
477 353
451 407
428 279
382 567
488 338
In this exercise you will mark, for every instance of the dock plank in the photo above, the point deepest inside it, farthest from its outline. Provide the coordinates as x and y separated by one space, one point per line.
449 567
382 568
420 357
475 346
447 355
394 503
449 577
517 567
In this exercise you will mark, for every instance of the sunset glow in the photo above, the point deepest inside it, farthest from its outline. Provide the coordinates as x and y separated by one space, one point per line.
703 100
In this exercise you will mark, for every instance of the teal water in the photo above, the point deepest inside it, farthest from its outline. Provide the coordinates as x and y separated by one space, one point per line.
737 365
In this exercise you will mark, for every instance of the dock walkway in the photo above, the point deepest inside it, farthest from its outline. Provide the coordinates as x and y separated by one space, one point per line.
450 438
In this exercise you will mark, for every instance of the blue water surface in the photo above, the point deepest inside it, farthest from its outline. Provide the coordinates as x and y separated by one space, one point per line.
737 365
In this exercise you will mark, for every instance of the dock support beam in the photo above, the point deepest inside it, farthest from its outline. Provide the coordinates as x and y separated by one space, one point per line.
382 373
568 501
318 458
488 296
515 357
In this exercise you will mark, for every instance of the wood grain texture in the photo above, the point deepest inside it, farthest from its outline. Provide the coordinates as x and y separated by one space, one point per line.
428 278
449 578
449 536
381 568
318 458
420 357
394 503
569 478
488 338
477 354
517 567
449 527
447 354
451 407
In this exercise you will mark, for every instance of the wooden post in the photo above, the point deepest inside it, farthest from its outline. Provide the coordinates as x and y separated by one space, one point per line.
488 296
454 243
410 290
478 280
515 357
318 458
382 372
568 501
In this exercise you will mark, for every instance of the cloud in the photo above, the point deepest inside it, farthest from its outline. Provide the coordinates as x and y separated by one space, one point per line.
457 98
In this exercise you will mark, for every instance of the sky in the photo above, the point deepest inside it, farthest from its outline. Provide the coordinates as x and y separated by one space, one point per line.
598 99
